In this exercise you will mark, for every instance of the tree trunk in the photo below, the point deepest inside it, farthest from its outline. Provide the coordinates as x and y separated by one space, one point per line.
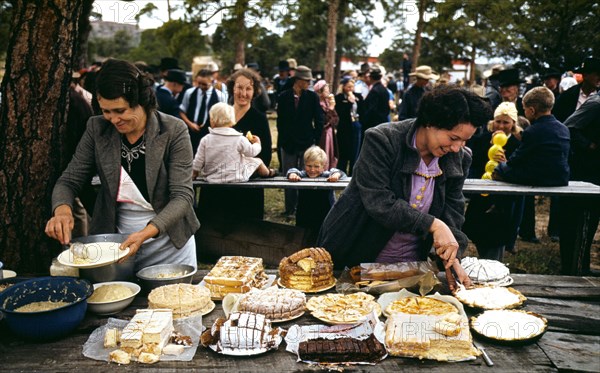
40 56
420 25
332 22
241 7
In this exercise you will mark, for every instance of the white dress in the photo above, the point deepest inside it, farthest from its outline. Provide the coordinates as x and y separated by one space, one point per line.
226 156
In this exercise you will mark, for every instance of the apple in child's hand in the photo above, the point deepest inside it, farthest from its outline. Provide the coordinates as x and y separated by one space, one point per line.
249 136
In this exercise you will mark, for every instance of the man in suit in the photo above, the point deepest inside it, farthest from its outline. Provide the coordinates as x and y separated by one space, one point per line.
571 99
196 104
376 107
166 93
299 126
410 101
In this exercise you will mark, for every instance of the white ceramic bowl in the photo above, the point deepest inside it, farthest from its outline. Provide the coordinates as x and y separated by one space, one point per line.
7 273
115 306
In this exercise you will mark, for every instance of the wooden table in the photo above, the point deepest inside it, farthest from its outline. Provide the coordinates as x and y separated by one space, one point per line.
572 342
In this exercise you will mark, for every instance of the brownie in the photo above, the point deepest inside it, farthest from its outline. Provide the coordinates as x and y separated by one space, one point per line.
339 350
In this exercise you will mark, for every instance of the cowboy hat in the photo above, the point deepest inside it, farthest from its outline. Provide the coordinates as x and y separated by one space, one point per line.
509 77
425 72
589 65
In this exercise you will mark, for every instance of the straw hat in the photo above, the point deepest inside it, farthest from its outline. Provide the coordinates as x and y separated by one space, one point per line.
425 72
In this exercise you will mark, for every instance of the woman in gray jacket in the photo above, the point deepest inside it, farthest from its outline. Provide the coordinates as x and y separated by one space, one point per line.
144 161
406 191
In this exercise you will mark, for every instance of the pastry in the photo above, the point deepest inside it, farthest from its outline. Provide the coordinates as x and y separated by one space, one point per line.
485 271
241 331
345 349
490 297
148 331
420 306
274 303
235 274
183 299
309 269
343 308
119 357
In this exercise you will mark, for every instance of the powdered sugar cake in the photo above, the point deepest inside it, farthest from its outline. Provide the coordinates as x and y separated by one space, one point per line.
275 303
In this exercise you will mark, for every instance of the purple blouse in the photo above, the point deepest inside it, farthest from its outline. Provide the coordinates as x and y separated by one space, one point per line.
403 247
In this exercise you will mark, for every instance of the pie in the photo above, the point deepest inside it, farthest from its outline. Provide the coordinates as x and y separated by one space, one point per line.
343 308
420 306
490 297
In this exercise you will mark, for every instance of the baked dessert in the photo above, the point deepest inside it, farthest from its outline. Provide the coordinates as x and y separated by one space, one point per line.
241 331
148 331
427 337
420 306
343 308
485 271
490 297
112 338
509 325
119 357
274 303
309 269
183 299
345 349
235 274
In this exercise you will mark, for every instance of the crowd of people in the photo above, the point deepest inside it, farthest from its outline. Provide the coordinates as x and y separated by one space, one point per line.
153 135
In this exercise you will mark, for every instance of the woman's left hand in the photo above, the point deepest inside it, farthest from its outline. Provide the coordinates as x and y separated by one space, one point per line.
456 269
135 240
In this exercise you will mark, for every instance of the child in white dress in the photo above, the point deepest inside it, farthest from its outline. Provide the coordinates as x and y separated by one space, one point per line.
225 155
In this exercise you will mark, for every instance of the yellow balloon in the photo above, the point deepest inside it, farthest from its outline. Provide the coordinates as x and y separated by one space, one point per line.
487 176
493 150
490 166
500 139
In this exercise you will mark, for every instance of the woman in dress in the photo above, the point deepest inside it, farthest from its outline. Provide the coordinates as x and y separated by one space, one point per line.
328 140
349 129
144 161
406 196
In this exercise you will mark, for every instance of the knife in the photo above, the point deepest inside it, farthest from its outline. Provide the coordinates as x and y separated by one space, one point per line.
484 355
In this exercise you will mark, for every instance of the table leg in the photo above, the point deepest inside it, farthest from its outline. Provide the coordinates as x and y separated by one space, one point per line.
580 221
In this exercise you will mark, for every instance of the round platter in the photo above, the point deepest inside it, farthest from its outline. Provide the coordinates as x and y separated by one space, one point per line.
101 254
490 297
288 319
334 322
309 291
510 327
268 283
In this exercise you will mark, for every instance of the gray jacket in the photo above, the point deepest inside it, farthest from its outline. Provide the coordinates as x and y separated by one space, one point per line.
374 205
168 175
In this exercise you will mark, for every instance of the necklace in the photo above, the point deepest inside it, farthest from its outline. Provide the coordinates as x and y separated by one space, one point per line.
419 198
134 153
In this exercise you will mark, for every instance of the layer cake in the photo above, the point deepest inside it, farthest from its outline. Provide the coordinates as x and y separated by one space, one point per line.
183 299
148 331
235 274
309 269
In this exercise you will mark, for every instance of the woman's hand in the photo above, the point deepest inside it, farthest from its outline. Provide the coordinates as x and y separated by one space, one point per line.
456 269
500 156
255 139
135 240
444 242
351 97
61 224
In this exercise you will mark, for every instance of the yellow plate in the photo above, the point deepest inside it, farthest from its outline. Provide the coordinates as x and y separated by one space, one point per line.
309 291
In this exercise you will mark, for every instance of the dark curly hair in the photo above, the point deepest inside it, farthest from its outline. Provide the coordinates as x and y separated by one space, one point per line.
445 107
121 79
249 74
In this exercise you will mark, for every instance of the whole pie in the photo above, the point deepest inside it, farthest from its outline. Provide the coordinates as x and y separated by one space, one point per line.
490 297
343 308
420 306
184 299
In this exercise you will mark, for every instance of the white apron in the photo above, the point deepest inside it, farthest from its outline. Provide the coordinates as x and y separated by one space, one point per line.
133 214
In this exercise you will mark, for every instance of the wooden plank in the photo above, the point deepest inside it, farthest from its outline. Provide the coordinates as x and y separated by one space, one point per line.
281 182
572 353
564 315
557 281
580 188
267 240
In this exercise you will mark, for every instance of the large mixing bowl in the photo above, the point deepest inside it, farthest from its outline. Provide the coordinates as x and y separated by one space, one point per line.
51 324
111 272
165 274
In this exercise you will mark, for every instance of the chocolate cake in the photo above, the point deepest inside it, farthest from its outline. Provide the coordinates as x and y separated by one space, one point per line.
344 349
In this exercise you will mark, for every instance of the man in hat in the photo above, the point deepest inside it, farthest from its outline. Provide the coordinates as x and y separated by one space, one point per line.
375 108
166 94
571 99
282 82
361 85
492 89
166 64
299 125
551 79
509 81
293 65
410 101
216 83
196 105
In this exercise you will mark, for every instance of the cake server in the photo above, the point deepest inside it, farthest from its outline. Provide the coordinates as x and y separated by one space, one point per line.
484 355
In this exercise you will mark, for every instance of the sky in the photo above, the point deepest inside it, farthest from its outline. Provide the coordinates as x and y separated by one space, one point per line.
125 12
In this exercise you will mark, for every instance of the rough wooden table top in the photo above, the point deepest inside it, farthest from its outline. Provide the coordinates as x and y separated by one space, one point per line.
571 305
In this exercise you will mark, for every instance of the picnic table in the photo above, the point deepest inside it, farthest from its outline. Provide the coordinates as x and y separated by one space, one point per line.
572 342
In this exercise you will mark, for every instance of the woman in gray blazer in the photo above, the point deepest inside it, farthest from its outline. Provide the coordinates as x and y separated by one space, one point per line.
144 161
406 196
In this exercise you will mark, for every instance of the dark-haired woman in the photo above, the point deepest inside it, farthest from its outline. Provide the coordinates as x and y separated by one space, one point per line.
144 160
406 191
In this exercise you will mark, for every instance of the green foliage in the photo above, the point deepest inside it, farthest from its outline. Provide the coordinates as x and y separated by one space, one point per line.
118 46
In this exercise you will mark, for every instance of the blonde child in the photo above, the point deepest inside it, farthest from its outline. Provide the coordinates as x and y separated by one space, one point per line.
225 155
314 204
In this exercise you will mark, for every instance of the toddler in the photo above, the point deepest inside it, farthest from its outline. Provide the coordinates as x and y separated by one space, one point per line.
225 155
